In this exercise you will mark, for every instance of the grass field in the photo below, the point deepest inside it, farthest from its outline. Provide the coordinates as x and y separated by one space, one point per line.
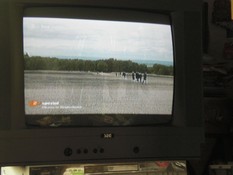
90 92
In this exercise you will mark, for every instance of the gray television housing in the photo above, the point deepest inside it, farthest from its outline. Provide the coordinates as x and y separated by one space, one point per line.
179 139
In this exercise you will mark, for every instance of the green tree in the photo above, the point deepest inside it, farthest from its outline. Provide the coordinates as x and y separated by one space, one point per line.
102 66
90 66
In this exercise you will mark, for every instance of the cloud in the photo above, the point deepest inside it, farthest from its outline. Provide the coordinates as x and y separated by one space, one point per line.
72 37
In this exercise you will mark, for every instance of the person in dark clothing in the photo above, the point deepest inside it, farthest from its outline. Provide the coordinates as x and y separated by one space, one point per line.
144 77
124 74
140 77
133 76
137 76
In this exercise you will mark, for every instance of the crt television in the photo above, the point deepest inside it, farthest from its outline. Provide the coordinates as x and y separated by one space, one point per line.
95 81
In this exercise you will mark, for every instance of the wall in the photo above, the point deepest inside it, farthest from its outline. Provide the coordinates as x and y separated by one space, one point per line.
217 35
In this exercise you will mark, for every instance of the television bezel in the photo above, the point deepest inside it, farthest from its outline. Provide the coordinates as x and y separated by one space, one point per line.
179 140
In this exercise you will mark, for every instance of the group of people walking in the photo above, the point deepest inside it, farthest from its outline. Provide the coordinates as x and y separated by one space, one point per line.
136 76
139 77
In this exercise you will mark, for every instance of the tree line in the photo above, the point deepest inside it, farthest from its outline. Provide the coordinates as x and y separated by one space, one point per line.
104 65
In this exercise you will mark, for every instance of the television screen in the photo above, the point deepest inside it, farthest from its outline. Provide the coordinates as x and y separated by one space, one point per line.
103 71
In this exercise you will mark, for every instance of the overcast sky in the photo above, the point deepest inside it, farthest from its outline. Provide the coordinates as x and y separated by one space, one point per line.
102 39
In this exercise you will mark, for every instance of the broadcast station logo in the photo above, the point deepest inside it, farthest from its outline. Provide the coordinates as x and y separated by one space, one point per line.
34 103
51 105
